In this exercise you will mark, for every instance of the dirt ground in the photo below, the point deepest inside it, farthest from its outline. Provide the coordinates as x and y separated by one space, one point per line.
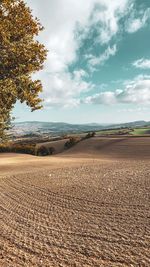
85 208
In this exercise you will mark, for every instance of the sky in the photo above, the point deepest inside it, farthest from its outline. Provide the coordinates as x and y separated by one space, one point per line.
98 63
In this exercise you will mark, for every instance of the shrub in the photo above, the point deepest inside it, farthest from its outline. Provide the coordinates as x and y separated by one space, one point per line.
25 149
89 135
17 148
42 151
71 142
4 148
51 150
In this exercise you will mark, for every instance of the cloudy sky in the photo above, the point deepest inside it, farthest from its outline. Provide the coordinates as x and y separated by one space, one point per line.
98 64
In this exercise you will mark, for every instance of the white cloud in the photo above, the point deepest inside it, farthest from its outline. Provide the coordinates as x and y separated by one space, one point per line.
106 17
135 92
94 61
134 23
65 88
107 98
142 63
60 19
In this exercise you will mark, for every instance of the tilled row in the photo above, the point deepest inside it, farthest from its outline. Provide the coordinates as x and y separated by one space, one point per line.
46 225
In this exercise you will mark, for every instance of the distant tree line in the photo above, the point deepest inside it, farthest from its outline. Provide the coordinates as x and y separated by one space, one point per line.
27 149
74 140
41 150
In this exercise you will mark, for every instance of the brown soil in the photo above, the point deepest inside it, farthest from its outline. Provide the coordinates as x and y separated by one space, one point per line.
112 147
58 145
89 207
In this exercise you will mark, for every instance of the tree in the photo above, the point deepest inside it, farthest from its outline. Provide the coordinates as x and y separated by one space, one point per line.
42 151
21 55
51 150
89 135
4 121
71 142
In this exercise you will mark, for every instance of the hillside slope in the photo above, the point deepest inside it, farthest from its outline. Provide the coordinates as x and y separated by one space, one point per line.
124 147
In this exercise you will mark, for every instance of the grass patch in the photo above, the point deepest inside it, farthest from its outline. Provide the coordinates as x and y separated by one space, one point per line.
114 132
141 131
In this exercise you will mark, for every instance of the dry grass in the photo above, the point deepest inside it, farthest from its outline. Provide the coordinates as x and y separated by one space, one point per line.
76 212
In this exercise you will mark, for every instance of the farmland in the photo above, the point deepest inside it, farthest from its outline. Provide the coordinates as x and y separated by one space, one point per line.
88 206
141 131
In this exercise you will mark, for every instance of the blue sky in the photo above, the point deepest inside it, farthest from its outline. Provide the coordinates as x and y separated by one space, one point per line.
98 64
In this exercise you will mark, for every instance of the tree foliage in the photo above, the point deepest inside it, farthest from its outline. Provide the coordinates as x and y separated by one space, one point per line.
43 150
71 142
21 55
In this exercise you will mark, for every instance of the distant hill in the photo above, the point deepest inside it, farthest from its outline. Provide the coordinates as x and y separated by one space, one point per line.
51 128
133 124
38 128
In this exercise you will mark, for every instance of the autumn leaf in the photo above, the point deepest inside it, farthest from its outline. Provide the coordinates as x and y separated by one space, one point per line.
21 55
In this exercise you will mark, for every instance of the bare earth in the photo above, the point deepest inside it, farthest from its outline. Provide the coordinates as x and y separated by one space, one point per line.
88 206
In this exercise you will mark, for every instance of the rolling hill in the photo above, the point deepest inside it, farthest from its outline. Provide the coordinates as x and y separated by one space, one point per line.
38 128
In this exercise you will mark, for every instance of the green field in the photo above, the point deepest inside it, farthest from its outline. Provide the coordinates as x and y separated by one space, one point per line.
114 132
125 131
141 131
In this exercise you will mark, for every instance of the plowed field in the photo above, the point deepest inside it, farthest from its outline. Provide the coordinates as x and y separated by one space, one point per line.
82 212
